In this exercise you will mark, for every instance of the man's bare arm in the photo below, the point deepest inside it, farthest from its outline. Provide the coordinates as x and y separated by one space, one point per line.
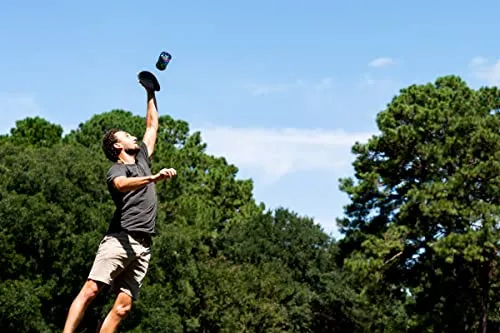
126 184
151 123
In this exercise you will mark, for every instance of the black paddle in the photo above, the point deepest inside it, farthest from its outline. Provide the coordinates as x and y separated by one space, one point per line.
148 81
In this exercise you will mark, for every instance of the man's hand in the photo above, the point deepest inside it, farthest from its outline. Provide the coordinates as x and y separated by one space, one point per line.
165 174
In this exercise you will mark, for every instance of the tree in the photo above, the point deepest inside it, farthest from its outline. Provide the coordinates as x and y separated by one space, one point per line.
300 248
422 227
37 132
54 208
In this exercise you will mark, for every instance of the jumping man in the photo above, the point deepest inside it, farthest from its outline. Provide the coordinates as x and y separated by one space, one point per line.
123 255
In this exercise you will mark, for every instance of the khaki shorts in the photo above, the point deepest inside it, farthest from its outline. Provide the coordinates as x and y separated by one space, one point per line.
121 262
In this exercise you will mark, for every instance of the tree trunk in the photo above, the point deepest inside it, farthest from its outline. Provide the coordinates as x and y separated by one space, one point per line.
485 291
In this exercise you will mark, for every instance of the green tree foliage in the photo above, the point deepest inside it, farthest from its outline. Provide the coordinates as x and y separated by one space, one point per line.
422 228
420 252
54 209
304 251
35 131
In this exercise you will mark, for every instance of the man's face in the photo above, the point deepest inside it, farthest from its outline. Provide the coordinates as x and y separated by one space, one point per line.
127 142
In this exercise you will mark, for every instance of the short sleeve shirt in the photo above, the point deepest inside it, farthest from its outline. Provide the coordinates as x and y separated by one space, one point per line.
135 210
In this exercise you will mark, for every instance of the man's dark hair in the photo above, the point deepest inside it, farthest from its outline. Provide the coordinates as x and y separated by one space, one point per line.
108 145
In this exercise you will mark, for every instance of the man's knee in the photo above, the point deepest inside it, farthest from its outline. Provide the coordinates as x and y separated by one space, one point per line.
122 310
123 305
90 290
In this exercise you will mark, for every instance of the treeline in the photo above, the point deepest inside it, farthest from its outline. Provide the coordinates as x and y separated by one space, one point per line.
421 233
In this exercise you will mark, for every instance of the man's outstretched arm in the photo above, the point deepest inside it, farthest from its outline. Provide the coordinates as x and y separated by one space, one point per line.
125 184
151 123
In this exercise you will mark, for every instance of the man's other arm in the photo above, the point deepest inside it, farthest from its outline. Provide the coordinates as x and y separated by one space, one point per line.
126 184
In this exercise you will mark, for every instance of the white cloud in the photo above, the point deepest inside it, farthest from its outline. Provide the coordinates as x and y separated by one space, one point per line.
381 62
273 153
16 106
310 94
478 61
484 70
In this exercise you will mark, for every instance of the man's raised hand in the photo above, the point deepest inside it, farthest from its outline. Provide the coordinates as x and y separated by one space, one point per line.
165 173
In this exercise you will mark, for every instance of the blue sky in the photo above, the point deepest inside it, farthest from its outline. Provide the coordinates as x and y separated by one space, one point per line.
280 88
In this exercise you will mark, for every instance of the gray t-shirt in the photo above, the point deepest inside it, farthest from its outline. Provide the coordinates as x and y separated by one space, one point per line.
135 210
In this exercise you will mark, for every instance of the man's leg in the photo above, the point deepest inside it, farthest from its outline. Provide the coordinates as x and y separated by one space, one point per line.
111 258
127 286
86 295
118 312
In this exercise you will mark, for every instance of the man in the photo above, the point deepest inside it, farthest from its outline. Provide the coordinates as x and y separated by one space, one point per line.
123 255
